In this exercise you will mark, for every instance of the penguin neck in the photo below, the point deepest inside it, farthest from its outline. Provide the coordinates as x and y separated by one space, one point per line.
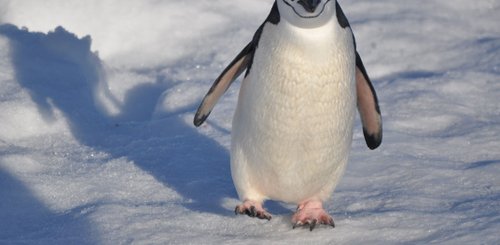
307 43
327 31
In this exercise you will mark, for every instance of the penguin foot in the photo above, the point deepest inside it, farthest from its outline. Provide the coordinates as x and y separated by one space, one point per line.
311 213
252 209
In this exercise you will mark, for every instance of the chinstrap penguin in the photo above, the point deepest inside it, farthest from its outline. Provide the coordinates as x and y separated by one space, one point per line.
292 129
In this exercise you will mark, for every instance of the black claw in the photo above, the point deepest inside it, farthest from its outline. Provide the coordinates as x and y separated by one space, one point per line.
312 225
262 215
252 212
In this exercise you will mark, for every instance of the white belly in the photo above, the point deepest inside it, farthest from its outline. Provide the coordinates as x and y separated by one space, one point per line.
292 129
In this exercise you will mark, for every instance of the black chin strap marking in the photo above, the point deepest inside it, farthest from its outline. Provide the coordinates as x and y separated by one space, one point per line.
307 17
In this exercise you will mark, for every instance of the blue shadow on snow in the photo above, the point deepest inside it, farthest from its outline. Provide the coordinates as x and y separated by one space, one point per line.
24 219
60 71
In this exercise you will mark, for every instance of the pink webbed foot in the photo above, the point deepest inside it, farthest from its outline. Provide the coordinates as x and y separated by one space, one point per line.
311 213
252 209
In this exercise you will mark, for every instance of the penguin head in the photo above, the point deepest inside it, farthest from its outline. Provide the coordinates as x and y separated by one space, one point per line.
307 13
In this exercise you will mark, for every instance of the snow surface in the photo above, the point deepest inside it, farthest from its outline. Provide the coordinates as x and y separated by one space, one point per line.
97 145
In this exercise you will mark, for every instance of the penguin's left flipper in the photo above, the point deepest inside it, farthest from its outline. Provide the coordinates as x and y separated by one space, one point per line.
222 83
368 106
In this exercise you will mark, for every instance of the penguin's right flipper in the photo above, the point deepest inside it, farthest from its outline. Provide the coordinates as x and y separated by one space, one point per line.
368 106
222 83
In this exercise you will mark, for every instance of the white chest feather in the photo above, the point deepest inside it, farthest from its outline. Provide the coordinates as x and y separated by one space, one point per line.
292 129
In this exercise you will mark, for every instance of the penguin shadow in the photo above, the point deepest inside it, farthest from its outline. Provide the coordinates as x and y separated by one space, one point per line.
61 73
24 219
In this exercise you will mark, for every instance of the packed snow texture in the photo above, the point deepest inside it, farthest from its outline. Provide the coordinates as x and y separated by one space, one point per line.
97 145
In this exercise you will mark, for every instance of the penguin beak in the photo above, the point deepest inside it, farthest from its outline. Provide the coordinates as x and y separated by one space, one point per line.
309 5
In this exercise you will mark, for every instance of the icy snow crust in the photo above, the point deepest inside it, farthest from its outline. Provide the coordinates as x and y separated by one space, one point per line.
97 145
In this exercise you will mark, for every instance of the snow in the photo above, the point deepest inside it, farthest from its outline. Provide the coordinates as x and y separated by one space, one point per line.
97 144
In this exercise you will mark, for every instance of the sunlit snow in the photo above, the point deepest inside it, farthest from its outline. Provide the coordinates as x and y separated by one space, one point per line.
97 145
